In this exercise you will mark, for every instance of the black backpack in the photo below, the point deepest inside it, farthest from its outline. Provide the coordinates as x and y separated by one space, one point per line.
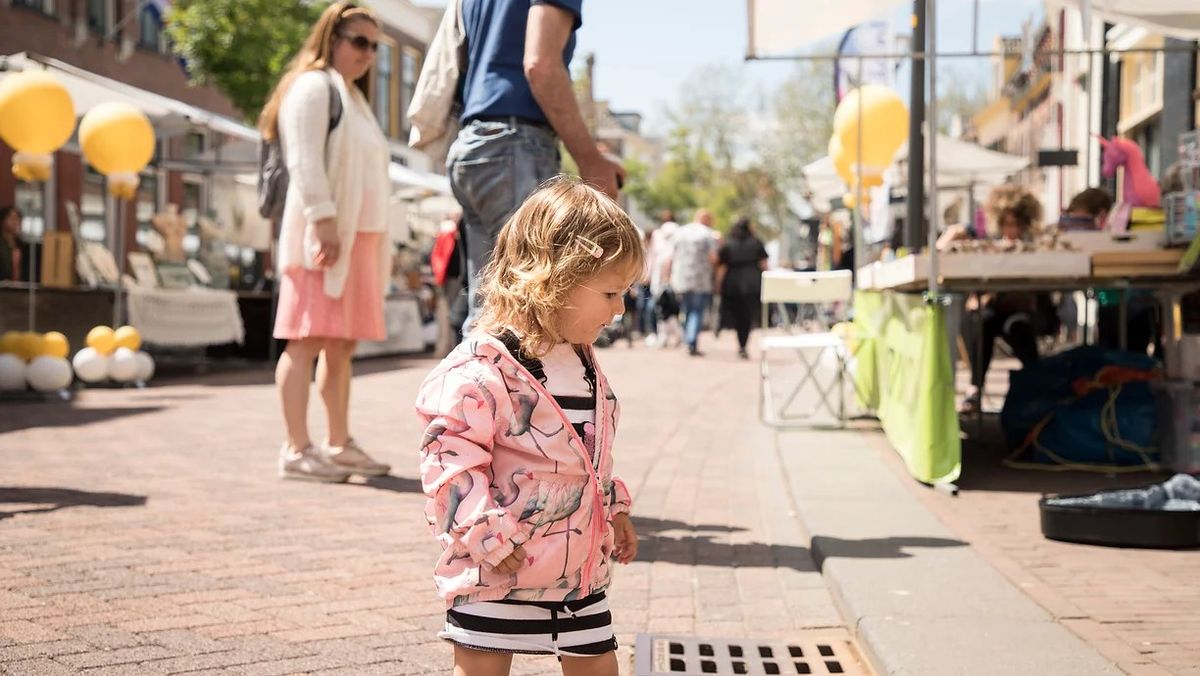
272 169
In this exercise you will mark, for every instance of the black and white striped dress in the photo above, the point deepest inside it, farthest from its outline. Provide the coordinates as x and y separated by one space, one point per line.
580 628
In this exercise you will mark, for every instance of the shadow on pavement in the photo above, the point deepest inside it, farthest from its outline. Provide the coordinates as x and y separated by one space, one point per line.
825 547
397 484
241 374
54 499
983 469
648 526
22 417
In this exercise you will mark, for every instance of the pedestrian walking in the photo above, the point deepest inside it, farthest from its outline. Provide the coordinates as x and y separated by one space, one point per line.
334 257
517 458
691 271
741 261
518 103
666 305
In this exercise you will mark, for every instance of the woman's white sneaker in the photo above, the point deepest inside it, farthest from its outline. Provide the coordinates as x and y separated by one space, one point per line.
309 465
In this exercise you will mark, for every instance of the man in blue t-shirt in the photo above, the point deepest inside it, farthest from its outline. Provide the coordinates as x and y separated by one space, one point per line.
517 103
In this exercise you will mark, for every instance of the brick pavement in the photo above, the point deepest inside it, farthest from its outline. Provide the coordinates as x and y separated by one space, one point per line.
1138 608
144 532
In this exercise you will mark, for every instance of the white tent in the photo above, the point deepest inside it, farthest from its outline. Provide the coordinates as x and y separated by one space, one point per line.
962 162
959 164
781 27
1174 18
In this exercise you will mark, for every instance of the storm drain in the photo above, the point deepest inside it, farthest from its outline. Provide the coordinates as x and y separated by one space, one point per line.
656 655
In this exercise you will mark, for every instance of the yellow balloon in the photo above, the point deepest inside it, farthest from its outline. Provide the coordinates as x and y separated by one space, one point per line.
883 125
29 345
36 112
101 339
8 342
841 161
849 200
116 138
872 180
55 344
129 337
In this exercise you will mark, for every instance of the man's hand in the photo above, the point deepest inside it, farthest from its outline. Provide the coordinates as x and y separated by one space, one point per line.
624 538
603 172
329 246
513 563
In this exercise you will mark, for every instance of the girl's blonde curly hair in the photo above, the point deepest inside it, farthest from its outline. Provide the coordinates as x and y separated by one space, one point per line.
563 234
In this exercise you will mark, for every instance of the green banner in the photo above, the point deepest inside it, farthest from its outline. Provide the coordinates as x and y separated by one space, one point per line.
904 374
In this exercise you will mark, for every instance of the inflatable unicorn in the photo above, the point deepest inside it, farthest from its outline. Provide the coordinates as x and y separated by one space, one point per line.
1139 189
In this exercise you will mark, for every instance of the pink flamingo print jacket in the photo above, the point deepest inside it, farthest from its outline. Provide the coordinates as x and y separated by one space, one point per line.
502 466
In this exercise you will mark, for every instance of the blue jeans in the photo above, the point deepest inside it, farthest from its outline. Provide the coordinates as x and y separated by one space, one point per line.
493 167
646 312
694 305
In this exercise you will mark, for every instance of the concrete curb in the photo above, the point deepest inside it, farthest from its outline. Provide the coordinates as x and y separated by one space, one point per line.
919 600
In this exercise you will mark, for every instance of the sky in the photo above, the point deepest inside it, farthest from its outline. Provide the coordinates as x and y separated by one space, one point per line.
645 48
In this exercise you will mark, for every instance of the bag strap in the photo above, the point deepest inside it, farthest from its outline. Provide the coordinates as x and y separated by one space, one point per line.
335 102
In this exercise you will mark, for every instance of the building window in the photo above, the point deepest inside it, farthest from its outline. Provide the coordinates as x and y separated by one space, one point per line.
31 200
147 206
44 6
150 29
191 209
409 69
93 208
98 16
384 93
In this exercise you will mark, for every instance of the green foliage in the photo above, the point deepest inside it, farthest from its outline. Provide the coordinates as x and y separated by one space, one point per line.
240 46
737 152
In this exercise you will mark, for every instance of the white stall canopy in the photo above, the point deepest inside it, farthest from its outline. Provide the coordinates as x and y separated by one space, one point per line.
784 27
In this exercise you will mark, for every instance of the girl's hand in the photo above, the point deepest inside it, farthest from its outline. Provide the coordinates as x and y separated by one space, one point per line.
327 242
513 563
625 543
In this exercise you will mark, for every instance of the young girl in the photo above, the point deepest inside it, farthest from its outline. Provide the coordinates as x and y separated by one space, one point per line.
517 454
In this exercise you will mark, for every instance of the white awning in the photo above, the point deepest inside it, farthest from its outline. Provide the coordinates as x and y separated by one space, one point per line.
784 27
88 90
1173 18
961 162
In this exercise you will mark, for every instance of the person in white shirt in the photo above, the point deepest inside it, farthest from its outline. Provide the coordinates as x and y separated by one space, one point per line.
662 247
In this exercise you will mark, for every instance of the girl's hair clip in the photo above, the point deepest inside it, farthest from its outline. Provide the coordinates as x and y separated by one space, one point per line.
589 246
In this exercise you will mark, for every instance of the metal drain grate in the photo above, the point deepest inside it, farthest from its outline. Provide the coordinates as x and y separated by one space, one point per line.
695 656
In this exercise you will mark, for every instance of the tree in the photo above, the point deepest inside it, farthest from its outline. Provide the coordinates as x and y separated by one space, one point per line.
241 46
960 97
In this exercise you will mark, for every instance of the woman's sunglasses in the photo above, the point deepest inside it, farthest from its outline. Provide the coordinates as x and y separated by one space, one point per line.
360 43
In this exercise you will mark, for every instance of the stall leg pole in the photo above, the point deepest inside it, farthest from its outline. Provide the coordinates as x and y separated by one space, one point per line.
33 283
1122 321
119 254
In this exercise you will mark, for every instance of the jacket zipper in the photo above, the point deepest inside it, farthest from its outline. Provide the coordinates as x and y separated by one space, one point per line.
593 478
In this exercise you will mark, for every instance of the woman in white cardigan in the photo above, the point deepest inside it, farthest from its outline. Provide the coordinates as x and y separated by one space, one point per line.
334 260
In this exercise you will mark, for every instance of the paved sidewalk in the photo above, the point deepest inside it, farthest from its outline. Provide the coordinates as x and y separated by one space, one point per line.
145 532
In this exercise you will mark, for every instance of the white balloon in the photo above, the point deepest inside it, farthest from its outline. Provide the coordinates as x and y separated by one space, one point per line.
90 365
48 374
12 372
123 365
145 369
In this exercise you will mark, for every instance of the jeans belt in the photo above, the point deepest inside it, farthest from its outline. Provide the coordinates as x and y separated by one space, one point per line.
514 120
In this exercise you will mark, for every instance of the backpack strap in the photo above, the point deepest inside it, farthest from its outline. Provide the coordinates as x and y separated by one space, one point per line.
335 102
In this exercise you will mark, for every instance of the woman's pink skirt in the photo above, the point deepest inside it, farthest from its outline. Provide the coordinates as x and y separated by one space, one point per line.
305 311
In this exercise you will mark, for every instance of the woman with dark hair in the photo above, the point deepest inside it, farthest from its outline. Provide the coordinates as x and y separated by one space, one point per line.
14 254
741 261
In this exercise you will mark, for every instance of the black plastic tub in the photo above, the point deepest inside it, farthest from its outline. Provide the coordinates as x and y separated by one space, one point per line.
1119 527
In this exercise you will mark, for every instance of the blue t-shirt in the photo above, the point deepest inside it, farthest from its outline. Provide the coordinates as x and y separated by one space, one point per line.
495 83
